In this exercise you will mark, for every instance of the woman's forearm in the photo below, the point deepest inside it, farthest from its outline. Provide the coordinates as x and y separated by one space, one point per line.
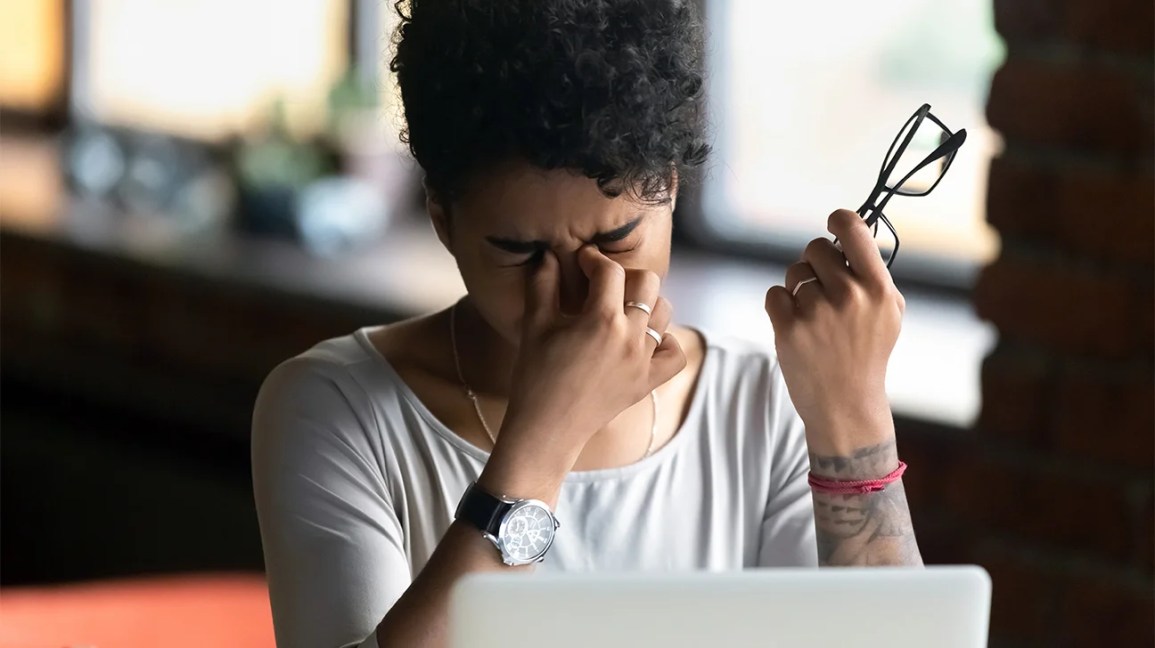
870 529
420 618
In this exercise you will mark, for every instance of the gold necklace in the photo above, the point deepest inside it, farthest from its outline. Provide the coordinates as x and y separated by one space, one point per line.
472 396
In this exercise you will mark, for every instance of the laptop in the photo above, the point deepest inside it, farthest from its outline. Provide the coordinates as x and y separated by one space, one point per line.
878 607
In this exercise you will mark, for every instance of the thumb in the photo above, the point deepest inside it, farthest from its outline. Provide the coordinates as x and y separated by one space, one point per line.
541 292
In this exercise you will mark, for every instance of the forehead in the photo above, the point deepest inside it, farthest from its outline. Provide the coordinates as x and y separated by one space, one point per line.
519 199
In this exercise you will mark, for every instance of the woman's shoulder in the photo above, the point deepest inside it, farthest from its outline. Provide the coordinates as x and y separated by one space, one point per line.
372 350
736 358
366 377
319 377
745 381
346 371
749 403
330 359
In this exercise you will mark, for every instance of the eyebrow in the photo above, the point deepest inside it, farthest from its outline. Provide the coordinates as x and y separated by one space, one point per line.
518 246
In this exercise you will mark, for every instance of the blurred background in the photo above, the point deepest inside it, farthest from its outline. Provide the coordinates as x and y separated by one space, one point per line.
193 191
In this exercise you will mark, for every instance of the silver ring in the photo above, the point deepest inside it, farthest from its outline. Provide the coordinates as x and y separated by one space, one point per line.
798 285
657 337
642 306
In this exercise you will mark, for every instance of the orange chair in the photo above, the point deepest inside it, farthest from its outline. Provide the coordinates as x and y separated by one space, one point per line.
181 611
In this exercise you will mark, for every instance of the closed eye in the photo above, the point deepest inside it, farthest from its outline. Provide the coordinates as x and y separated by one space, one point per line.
533 250
535 257
622 251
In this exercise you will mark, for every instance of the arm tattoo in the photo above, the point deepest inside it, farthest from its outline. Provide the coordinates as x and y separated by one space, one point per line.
871 529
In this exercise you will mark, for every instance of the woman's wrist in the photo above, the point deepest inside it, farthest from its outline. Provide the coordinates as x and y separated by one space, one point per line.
868 462
512 482
845 432
528 465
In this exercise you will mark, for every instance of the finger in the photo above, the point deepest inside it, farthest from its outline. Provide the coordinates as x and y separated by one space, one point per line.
780 307
541 296
659 322
668 360
607 280
828 264
642 286
663 315
798 273
858 246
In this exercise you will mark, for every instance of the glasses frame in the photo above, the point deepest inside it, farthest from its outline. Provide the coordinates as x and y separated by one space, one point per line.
883 191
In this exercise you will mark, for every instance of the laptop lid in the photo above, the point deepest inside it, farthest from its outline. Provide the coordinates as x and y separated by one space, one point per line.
881 607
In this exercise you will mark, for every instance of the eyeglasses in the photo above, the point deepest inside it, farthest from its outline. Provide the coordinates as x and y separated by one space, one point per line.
917 180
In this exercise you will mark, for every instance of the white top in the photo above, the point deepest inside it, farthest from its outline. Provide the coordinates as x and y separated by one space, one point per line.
356 482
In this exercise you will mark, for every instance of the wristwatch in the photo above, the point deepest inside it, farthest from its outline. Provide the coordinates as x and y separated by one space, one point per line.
521 529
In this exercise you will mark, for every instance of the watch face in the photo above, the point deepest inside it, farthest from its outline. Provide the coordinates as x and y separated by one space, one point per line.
527 532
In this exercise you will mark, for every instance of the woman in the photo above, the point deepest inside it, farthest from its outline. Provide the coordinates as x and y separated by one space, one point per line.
552 136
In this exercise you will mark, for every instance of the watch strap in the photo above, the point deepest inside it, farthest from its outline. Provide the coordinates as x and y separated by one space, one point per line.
482 509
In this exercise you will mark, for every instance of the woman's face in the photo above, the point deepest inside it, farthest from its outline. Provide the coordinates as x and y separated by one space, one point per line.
499 228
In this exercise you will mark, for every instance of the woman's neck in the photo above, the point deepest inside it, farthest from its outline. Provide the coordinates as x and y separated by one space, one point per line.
485 357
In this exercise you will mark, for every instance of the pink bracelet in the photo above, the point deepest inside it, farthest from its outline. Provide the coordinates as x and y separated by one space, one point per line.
855 487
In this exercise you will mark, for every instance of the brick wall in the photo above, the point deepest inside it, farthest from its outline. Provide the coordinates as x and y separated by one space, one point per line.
1053 493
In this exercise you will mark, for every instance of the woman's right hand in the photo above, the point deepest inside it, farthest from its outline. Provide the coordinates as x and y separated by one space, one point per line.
575 373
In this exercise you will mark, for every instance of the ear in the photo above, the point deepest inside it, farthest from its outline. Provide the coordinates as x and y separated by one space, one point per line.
674 191
439 216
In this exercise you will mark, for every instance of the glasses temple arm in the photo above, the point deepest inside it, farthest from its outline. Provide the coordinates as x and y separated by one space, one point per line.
947 148
896 148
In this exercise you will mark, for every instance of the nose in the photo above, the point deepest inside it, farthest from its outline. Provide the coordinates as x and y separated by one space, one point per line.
573 285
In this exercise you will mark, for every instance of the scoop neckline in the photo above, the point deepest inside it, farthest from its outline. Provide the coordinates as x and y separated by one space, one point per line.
659 457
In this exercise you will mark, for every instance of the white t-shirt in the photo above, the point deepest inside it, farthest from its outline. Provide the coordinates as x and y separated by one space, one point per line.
356 482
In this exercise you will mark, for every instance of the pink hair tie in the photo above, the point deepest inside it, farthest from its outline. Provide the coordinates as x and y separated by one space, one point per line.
855 487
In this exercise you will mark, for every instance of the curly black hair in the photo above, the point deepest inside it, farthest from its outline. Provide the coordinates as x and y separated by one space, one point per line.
612 89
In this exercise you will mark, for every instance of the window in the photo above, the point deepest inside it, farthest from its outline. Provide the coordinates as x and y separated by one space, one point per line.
376 21
805 97
31 55
207 69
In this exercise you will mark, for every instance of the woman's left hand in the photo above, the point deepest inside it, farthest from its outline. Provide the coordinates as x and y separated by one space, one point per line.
835 324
